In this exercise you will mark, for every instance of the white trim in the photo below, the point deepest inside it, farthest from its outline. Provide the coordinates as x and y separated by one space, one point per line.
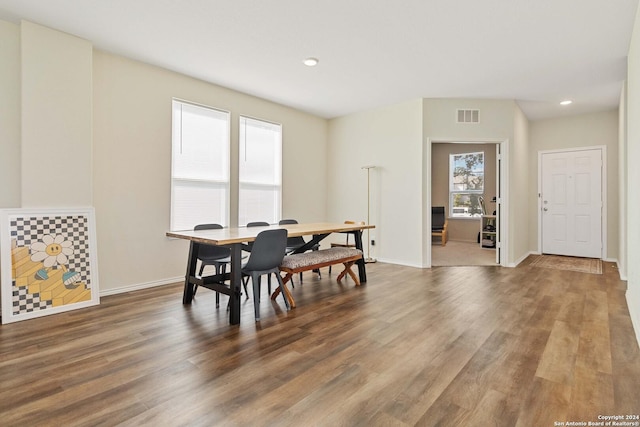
603 190
522 258
396 262
140 286
504 202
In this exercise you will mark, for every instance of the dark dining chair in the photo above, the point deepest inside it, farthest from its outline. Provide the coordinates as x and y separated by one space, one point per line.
249 248
265 258
217 256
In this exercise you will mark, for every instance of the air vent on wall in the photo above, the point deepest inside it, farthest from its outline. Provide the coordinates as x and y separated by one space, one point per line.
468 116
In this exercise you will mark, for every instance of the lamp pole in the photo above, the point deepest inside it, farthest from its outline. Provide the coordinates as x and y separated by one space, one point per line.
368 259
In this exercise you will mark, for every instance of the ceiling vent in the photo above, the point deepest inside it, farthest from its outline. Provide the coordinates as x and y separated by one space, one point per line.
468 116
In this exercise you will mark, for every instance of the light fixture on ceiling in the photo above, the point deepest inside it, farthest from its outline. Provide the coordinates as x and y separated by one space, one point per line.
566 102
310 62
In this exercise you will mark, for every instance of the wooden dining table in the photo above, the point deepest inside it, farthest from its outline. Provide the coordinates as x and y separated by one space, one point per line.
236 239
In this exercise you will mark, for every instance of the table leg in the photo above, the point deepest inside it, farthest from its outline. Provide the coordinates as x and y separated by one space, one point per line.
362 271
236 284
187 295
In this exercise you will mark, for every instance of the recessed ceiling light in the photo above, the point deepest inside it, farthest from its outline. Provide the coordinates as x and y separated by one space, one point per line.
567 102
310 62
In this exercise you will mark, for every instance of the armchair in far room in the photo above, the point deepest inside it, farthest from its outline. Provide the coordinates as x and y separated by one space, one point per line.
439 223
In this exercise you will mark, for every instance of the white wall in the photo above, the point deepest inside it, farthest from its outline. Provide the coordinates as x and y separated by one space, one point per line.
9 115
56 118
519 189
622 184
391 139
633 176
584 130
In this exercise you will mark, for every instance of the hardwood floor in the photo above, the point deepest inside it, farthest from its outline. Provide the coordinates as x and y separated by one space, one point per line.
468 346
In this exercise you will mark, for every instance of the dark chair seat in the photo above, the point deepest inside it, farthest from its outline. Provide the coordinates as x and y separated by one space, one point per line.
216 256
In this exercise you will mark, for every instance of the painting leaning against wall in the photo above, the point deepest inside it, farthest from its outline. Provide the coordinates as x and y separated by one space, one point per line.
48 261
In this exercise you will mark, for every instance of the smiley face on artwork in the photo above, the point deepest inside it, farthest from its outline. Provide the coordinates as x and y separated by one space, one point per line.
54 251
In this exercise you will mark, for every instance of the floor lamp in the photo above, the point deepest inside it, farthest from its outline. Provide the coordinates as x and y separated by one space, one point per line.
368 259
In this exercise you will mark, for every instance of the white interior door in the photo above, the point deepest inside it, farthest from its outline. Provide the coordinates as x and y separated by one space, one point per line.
571 196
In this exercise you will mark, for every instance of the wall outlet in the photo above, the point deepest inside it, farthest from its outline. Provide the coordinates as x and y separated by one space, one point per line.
373 242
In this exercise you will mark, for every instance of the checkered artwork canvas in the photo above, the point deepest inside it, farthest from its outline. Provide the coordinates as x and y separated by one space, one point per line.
51 262
74 228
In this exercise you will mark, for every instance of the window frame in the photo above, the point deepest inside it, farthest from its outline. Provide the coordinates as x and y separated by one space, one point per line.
470 192
248 185
221 184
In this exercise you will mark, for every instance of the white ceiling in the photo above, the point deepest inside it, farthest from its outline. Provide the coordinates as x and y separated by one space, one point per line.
372 53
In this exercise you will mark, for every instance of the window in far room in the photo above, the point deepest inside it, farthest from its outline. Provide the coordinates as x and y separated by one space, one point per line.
466 184
200 166
260 171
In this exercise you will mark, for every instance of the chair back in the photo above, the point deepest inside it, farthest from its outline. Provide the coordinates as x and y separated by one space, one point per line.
211 252
208 227
258 224
438 217
268 250
292 242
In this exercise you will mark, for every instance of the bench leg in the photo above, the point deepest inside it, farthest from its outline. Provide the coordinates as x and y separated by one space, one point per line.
347 270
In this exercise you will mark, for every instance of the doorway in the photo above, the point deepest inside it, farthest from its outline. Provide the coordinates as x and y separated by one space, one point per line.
571 202
465 233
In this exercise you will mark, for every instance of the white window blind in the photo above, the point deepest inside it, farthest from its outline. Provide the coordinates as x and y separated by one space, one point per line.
466 184
260 171
200 166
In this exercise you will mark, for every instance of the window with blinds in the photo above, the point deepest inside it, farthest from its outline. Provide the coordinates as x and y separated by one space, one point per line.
260 171
200 166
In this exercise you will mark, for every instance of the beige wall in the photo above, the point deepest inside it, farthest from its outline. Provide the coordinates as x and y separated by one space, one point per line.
391 139
462 229
106 120
9 115
598 129
56 118
132 167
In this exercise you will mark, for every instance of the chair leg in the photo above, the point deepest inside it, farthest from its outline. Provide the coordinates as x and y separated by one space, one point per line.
245 280
255 279
217 293
281 286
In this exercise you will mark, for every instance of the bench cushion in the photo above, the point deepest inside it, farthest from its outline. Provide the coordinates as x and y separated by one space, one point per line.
318 257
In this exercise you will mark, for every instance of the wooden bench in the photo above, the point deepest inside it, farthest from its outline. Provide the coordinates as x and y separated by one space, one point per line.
297 263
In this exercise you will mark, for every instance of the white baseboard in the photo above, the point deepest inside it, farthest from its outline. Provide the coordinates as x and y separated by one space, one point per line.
522 258
634 313
394 261
139 286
